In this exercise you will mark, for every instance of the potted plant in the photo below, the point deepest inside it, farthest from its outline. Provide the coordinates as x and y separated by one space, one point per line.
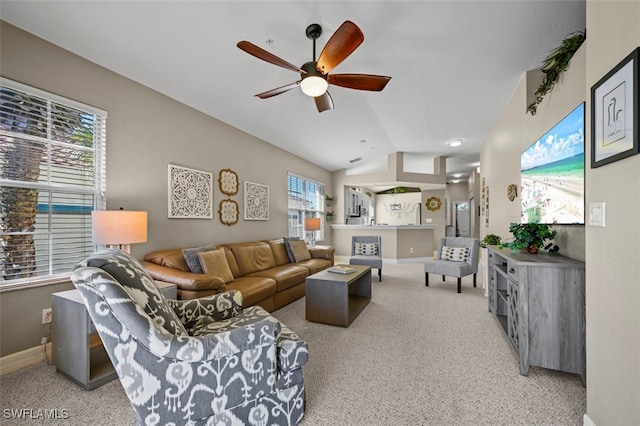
328 216
531 238
490 240
329 199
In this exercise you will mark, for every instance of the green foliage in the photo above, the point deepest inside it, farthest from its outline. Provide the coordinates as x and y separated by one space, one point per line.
555 64
532 237
491 240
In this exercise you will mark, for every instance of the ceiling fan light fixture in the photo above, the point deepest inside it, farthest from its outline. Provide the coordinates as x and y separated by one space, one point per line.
455 142
314 86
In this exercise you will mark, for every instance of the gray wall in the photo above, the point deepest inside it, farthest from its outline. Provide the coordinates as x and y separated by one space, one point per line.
146 131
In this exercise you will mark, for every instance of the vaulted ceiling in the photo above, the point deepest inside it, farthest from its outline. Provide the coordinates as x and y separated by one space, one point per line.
454 65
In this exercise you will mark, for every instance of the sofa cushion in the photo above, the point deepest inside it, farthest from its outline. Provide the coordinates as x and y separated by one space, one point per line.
171 258
315 265
287 247
279 251
253 289
285 276
299 250
252 257
214 262
192 259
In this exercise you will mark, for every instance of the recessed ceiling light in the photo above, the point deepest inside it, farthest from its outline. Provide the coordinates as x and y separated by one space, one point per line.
455 142
455 181
457 175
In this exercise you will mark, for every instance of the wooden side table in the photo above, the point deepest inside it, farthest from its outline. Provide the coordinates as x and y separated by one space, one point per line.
78 353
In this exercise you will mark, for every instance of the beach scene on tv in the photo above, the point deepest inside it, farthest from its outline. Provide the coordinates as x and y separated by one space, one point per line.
552 173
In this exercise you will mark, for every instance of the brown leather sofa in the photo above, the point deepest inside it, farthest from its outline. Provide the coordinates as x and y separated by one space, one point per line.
261 270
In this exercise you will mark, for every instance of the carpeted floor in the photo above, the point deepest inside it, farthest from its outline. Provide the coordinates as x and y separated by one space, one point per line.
414 356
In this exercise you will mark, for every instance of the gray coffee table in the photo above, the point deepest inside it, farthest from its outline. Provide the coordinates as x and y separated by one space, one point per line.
337 299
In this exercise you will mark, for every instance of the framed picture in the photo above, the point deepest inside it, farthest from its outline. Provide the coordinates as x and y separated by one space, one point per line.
228 181
228 212
190 193
256 201
614 113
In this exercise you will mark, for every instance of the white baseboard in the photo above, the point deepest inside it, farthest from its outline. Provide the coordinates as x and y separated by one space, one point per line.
586 421
26 358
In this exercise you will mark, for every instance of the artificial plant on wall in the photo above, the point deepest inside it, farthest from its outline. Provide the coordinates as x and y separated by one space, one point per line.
554 65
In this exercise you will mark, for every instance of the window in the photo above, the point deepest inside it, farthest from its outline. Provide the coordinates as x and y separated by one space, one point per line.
52 175
306 200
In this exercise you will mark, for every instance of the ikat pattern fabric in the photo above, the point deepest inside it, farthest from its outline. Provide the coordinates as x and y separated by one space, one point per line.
459 254
210 363
365 249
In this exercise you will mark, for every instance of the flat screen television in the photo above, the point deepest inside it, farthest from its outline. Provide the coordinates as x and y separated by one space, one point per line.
552 174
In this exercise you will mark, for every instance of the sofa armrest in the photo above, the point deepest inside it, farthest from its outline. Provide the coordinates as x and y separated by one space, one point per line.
322 252
184 280
216 307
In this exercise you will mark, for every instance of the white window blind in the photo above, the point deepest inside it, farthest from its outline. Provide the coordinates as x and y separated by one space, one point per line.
52 175
306 200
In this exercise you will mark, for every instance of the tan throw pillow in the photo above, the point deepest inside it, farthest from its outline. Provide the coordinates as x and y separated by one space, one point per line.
215 263
299 250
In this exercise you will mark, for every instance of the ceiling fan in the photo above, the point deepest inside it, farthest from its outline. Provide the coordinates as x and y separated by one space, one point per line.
315 76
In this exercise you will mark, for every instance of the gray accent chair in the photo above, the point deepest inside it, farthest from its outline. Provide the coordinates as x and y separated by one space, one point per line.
452 268
374 261
192 362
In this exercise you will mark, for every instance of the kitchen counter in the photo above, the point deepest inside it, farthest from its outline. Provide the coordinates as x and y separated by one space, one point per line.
425 226
400 243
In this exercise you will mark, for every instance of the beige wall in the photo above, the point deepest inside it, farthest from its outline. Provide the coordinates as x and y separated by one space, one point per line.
613 266
514 132
146 131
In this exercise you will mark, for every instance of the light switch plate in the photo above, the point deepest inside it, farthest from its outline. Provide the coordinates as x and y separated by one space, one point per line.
597 214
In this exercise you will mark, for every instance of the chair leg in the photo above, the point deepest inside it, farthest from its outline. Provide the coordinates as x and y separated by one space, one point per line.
379 274
443 278
459 285
474 280
426 279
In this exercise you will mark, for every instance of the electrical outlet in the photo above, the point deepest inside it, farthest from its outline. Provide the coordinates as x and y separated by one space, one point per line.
411 250
47 316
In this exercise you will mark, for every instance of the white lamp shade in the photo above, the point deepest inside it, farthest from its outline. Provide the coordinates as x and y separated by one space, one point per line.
113 227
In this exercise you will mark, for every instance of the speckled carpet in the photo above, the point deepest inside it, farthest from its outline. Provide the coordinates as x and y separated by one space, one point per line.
414 356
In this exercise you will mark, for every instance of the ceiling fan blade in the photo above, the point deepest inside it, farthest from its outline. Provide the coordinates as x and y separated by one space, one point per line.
359 81
260 53
324 102
278 90
341 44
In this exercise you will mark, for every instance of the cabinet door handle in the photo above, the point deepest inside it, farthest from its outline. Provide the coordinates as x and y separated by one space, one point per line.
512 271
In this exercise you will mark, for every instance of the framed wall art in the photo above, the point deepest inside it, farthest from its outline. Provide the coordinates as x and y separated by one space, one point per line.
190 193
228 212
228 182
614 113
256 201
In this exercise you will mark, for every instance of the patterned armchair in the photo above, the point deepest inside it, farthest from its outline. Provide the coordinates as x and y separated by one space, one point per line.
192 362
457 257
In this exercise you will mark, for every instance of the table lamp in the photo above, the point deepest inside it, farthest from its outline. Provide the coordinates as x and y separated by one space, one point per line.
119 228
311 225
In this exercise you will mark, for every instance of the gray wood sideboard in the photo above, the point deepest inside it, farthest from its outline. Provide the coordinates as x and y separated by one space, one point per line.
539 301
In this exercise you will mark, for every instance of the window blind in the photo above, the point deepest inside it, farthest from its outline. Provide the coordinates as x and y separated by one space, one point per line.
52 175
306 200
